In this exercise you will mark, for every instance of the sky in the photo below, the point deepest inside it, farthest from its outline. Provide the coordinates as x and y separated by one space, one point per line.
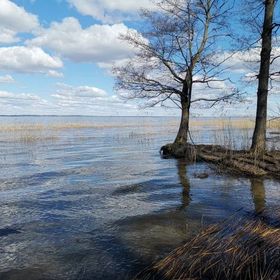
56 56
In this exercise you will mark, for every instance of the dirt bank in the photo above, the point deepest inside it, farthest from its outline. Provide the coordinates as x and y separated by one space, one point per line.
234 161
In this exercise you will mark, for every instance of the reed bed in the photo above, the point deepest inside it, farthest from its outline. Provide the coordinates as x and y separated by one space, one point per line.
61 126
229 133
38 132
217 123
236 249
238 123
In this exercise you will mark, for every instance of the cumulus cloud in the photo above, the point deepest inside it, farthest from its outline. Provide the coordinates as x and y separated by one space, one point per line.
241 61
5 95
79 100
25 103
70 92
21 100
28 60
89 100
109 11
13 20
6 79
82 100
248 61
8 36
246 66
96 44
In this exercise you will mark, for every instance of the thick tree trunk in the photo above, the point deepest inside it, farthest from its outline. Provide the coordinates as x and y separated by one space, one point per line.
259 137
182 135
179 147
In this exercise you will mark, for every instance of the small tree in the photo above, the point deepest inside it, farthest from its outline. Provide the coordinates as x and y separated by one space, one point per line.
259 136
177 51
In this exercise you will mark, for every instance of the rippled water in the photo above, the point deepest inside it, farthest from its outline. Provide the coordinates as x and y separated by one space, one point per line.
98 202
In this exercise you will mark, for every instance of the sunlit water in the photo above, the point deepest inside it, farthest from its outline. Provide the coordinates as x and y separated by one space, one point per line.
99 203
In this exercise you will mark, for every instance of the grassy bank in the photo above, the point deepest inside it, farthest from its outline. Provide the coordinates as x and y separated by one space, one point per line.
236 249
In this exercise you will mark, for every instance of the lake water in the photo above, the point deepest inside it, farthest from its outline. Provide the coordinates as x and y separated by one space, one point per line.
90 197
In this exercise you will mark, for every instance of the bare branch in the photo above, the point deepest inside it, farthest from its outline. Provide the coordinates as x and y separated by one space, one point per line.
219 99
176 49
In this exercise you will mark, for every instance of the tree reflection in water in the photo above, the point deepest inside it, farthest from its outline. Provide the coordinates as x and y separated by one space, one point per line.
184 180
258 194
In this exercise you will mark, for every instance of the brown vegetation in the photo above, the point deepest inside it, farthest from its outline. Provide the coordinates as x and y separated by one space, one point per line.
237 249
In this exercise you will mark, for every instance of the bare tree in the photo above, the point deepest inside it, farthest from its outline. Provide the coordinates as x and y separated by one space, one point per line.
177 52
264 76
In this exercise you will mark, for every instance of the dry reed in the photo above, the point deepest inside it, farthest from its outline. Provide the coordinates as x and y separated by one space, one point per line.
229 133
242 249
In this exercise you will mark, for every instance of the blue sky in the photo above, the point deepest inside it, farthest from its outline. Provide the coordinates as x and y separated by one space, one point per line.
56 55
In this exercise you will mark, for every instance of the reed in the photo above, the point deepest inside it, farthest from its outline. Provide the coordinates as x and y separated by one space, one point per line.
230 133
59 126
242 249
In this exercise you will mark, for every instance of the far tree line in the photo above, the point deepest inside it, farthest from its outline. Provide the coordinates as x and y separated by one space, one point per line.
183 46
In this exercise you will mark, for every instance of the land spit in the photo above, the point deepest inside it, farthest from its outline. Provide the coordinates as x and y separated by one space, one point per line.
241 162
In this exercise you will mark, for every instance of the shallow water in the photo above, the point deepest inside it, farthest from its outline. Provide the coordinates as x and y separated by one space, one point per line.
98 202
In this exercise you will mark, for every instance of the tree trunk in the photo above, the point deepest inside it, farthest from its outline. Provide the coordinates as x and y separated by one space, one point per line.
182 135
259 137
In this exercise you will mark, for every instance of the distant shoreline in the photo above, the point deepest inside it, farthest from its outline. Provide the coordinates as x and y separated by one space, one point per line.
142 116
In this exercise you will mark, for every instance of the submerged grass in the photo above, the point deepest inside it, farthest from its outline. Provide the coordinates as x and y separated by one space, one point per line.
242 249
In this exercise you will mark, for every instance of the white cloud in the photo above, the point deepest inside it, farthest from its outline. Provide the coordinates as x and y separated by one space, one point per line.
90 100
55 74
96 44
25 103
20 100
5 95
111 11
241 62
27 60
82 100
70 92
86 100
248 61
6 79
13 20
8 36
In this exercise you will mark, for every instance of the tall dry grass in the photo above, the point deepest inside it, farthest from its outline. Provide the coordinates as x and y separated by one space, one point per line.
230 133
236 123
36 132
239 249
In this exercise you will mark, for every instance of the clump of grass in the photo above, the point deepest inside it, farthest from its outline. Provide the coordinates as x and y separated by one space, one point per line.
243 249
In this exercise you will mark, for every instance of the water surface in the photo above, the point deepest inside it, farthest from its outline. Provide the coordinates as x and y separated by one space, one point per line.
98 202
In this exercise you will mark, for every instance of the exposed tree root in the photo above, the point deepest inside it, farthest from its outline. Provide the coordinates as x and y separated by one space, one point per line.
236 161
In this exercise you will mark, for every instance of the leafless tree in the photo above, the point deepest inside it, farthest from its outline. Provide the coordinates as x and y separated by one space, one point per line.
176 53
261 20
264 76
